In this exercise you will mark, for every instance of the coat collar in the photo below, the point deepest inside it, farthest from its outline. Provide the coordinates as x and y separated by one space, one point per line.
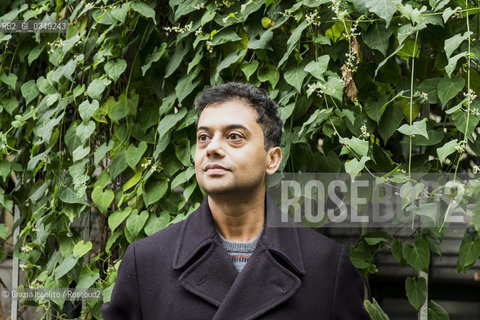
199 231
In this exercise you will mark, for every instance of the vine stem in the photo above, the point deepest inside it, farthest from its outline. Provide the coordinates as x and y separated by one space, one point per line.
469 96
412 79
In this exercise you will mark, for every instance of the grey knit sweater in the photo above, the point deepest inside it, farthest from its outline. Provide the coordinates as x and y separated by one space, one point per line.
239 251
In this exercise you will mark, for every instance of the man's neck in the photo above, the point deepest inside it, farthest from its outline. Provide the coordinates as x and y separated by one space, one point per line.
238 218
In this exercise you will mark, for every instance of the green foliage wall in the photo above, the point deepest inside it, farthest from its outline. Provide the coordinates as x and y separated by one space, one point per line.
97 124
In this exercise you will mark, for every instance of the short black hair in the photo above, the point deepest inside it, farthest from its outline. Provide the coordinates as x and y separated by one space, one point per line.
255 97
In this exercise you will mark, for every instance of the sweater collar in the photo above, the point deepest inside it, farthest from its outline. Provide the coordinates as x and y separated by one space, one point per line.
198 231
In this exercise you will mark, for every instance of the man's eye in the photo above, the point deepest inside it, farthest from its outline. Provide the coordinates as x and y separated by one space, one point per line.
234 136
202 137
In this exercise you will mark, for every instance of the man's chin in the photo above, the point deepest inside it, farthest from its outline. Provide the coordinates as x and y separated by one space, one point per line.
218 190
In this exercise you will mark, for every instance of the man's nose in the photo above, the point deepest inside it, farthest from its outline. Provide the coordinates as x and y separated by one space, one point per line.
215 147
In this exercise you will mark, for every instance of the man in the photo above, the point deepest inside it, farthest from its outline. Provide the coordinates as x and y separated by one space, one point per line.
224 261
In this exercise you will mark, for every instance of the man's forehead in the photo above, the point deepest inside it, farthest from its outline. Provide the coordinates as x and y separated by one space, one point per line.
232 113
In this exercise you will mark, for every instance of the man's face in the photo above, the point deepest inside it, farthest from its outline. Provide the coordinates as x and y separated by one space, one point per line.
230 154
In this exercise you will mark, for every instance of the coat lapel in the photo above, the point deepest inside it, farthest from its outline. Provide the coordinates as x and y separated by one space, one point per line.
211 274
263 284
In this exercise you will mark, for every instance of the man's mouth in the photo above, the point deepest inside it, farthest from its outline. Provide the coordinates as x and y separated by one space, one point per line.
215 168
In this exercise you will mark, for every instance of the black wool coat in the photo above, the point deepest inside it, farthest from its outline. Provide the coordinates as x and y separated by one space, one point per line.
184 272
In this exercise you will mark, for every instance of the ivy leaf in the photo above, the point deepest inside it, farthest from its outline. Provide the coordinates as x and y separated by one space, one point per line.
120 12
353 167
397 250
429 86
113 239
133 181
447 149
154 57
317 68
436 312
115 68
468 254
360 257
295 76
198 57
101 151
135 222
381 64
3 231
143 9
185 86
374 310
5 168
87 278
80 153
102 199
233 57
418 127
224 36
67 195
314 3
375 109
451 44
263 42
334 88
96 88
452 62
81 248
476 217
376 237
359 146
9 104
32 163
118 165
460 120
428 210
68 264
116 218
87 109
182 151
10 79
8 204
29 91
45 131
449 12
438 4
155 223
165 127
378 37
154 191
249 68
417 255
416 291
268 73
383 8
84 131
292 41
447 89
390 121
180 52
134 154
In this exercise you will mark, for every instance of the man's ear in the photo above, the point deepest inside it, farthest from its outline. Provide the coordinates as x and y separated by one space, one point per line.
274 158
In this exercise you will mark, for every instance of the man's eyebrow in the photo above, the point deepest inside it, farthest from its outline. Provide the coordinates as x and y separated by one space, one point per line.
228 127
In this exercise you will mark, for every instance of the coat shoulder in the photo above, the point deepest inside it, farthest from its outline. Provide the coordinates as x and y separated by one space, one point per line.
318 247
162 242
